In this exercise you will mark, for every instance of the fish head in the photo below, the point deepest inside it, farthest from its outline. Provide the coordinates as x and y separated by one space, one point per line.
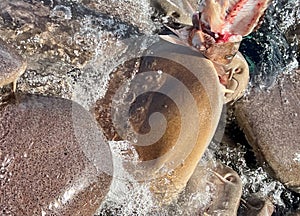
222 53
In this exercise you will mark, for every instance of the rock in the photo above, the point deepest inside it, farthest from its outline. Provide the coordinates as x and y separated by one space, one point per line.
53 161
72 38
61 38
125 11
12 65
181 11
293 36
270 120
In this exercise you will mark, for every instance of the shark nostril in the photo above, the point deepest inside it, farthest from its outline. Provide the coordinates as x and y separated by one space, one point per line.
230 177
237 70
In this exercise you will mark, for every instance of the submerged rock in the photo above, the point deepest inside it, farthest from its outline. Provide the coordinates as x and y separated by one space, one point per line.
12 65
62 38
270 121
53 161
180 11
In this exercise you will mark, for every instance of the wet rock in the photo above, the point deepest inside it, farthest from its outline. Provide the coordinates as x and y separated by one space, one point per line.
270 120
293 36
53 161
58 37
180 11
60 31
12 65
121 10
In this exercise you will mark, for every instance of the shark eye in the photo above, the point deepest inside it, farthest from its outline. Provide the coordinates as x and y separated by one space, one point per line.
229 57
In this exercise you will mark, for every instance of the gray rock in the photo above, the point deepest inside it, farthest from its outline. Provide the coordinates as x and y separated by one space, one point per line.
52 160
270 120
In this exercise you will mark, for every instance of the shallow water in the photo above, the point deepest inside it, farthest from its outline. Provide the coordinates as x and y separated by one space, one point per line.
268 50
96 38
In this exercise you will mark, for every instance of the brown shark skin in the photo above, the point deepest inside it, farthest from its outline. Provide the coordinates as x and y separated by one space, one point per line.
228 191
43 161
224 193
12 65
240 78
229 64
207 95
256 206
222 54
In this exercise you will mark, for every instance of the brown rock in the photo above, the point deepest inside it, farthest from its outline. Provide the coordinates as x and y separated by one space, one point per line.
12 65
270 120
61 40
53 161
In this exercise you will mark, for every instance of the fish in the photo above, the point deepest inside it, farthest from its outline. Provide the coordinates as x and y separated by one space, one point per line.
218 27
224 184
228 18
187 93
217 30
228 186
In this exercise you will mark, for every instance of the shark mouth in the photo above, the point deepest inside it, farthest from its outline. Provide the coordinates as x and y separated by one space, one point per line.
229 20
